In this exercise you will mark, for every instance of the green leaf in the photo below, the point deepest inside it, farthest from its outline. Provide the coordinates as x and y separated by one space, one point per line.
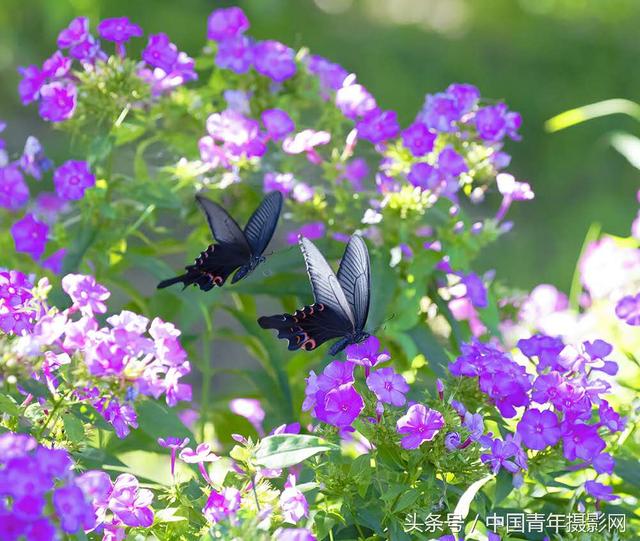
628 145
429 346
406 500
286 450
462 507
73 428
35 388
158 421
8 405
593 110
504 486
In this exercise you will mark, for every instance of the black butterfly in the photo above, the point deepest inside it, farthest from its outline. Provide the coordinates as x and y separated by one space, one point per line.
341 303
236 249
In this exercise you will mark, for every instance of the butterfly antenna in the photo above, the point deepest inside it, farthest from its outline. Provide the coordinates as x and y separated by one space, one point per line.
284 251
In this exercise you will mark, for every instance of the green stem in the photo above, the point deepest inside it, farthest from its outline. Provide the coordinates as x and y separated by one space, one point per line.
53 413
255 493
206 374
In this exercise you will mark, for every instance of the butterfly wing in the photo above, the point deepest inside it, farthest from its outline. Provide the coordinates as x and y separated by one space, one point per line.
326 288
308 327
354 277
218 261
223 227
263 221
211 268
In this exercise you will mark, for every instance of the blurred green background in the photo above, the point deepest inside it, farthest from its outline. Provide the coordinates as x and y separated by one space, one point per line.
541 56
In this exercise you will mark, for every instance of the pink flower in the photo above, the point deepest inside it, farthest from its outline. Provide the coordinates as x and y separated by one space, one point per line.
306 141
419 424
388 386
130 503
87 295
250 409
199 456
30 236
292 502
221 505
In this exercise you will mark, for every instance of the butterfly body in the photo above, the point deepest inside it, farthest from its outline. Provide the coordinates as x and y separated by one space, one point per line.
342 301
236 252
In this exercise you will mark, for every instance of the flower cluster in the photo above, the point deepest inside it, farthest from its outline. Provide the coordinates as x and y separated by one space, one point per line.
333 399
32 475
32 233
55 87
117 356
558 401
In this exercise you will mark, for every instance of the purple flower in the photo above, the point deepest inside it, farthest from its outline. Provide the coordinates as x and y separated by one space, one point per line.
292 502
199 456
294 534
226 23
88 51
221 505
250 409
581 441
465 95
355 101
14 445
367 353
355 172
30 84
440 112
130 503
312 231
451 163
235 54
72 178
378 126
494 122
500 457
330 75
33 161
160 52
30 236
55 261
546 348
452 441
87 295
57 101
474 423
603 463
277 123
274 60
420 424
174 444
14 192
388 386
628 309
121 417
539 429
56 66
600 491
74 511
76 33
611 418
418 139
279 182
476 291
119 30
342 406
424 176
